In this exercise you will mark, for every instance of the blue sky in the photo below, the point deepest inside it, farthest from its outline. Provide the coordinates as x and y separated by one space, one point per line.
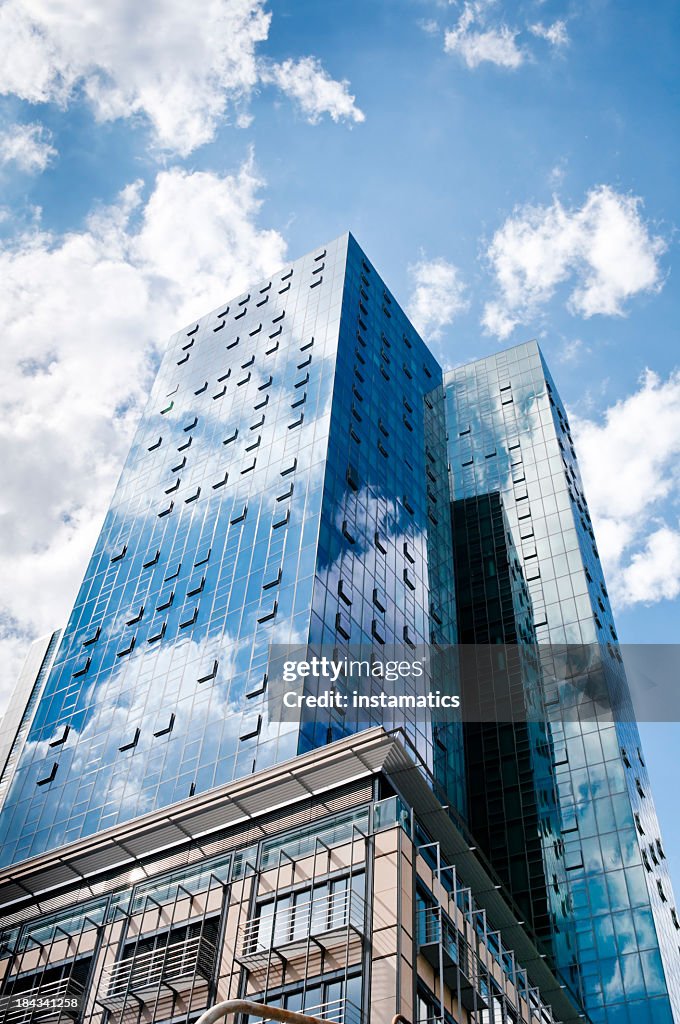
511 168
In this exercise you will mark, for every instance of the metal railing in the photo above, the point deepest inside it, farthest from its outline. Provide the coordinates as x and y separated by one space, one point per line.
447 950
336 1011
287 925
171 962
43 1001
435 927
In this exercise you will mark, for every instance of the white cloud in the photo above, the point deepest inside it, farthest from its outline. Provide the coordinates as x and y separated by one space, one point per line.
631 470
573 351
654 572
556 34
604 248
29 146
476 43
84 315
438 296
495 46
313 88
179 65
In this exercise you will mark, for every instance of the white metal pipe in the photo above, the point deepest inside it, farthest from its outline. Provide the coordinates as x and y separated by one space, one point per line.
231 1006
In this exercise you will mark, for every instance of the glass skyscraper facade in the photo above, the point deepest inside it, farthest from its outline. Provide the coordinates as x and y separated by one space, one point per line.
509 437
512 800
272 494
305 474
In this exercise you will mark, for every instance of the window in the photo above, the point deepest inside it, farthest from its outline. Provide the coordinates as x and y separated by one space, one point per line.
210 674
46 779
190 621
343 624
156 634
250 727
132 742
427 1009
120 555
267 616
312 910
62 737
347 532
93 639
377 631
166 602
168 727
196 587
273 581
126 650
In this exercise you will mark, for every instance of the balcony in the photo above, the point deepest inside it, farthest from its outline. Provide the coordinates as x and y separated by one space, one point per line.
336 1011
324 921
43 1002
177 965
442 945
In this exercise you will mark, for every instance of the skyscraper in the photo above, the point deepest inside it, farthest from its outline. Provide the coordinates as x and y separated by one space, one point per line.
510 443
304 474
274 492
